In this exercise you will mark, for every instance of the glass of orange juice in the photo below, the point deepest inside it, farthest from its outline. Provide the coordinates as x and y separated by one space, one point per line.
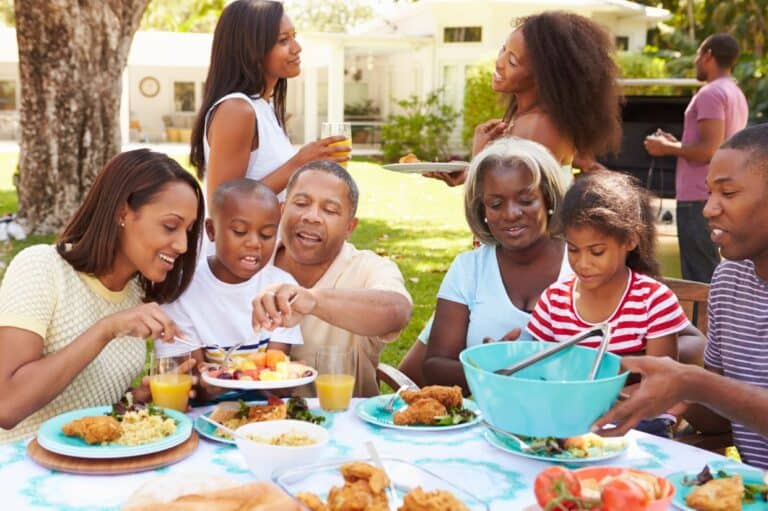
170 382
335 381
330 129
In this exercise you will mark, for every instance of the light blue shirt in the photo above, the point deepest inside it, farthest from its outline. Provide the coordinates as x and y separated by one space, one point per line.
474 280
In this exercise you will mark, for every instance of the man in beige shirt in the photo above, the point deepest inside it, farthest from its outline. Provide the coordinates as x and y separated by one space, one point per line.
347 298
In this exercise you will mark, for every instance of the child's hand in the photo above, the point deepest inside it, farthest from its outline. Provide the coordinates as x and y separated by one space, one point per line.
512 335
283 305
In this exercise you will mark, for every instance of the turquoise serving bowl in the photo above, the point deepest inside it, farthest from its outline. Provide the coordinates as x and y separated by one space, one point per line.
550 398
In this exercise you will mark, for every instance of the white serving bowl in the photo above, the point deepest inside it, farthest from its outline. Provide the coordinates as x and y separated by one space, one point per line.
263 459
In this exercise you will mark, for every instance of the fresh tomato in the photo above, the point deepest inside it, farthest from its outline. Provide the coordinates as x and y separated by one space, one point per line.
623 495
556 488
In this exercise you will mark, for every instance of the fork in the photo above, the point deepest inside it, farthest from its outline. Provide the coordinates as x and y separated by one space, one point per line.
254 339
390 406
506 434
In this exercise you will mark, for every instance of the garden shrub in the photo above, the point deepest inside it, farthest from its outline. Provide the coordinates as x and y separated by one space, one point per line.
423 128
481 102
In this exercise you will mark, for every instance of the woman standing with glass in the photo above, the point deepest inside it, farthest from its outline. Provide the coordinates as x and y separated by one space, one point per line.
240 128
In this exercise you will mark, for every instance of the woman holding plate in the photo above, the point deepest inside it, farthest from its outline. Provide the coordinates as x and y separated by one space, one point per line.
557 69
74 315
240 128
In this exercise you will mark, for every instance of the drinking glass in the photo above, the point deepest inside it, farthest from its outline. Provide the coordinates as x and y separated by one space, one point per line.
330 129
170 382
335 381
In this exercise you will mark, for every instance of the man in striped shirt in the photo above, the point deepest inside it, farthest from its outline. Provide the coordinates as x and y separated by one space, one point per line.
737 346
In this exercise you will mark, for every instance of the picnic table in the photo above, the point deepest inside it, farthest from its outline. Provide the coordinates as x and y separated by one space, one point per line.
503 480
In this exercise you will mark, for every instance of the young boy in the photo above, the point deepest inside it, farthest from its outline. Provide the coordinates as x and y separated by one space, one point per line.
216 308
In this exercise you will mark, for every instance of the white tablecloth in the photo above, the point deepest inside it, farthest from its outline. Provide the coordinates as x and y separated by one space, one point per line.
463 457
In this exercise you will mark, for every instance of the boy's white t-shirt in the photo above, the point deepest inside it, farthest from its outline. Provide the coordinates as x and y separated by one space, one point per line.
213 312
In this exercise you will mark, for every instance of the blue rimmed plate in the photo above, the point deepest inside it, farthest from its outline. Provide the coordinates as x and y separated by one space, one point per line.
50 436
208 430
372 410
748 475
616 448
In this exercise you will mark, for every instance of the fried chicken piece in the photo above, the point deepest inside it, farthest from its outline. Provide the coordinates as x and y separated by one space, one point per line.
448 396
357 470
312 501
356 496
437 500
94 430
722 494
422 411
409 158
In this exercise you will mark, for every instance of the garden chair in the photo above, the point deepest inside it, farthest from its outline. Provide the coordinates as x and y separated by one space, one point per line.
693 297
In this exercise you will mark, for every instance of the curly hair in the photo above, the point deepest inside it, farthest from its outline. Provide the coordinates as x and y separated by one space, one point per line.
617 205
576 79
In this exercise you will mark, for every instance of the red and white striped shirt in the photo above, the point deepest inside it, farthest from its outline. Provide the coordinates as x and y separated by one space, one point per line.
647 310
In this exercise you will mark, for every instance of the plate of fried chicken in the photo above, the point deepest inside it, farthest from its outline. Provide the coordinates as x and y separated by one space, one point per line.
433 408
358 484
96 433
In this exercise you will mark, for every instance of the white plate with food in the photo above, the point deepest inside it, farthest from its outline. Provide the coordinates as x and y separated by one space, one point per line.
587 448
425 166
94 433
235 414
272 369
228 380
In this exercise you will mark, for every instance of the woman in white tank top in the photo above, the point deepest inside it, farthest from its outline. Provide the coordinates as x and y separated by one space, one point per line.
240 128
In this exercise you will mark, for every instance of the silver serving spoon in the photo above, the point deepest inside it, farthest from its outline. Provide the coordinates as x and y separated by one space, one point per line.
603 328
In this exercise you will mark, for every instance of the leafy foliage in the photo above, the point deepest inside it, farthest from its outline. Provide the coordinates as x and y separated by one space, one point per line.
328 15
481 103
182 15
7 14
423 128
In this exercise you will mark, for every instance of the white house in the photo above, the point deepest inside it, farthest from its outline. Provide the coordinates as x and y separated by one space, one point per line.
410 48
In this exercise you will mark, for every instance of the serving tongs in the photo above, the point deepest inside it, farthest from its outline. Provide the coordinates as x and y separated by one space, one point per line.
604 329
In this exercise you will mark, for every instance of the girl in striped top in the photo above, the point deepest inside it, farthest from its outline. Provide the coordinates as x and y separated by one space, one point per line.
608 223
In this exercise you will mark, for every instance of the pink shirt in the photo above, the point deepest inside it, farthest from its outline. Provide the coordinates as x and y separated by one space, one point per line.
720 99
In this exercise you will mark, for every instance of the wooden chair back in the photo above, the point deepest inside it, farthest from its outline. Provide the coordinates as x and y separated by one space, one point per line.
693 297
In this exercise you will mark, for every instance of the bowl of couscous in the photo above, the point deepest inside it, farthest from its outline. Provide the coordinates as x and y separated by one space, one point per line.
275 445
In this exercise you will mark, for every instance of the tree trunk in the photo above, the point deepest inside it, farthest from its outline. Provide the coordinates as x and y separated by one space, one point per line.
71 58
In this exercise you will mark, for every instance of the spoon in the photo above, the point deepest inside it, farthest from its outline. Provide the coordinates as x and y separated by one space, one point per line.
226 429
377 461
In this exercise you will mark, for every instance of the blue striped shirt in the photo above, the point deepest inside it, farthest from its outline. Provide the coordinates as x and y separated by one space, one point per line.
737 341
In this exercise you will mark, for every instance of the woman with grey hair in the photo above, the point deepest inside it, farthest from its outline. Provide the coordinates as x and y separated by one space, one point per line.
513 188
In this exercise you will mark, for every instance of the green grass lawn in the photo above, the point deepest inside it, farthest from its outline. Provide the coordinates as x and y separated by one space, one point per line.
417 222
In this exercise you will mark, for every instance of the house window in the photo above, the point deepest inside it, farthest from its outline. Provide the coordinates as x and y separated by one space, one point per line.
462 34
7 95
622 43
184 96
